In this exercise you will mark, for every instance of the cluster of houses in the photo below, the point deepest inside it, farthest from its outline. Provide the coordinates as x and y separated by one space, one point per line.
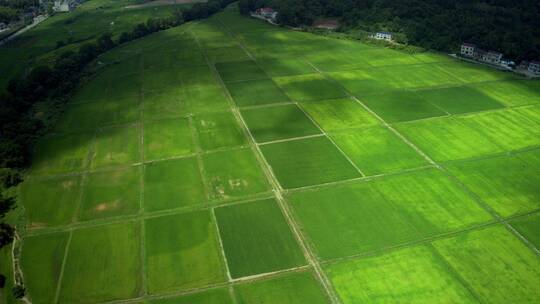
383 36
471 51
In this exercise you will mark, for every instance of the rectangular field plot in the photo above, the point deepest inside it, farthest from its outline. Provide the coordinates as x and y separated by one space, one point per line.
336 60
214 296
512 93
79 117
528 226
368 216
457 100
233 174
471 73
107 194
118 112
201 99
384 57
256 92
199 76
106 261
257 239
297 287
167 104
308 162
41 261
65 153
218 130
309 87
510 129
411 275
495 264
161 80
167 138
285 66
50 202
226 54
278 122
172 184
116 146
241 70
401 106
507 184
448 139
377 150
363 82
338 114
182 252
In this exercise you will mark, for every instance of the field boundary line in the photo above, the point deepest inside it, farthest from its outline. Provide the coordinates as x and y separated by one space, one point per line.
331 140
267 169
63 267
142 172
453 272
198 155
290 139
220 244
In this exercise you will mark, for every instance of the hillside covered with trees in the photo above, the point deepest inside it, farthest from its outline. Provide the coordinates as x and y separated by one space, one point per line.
511 27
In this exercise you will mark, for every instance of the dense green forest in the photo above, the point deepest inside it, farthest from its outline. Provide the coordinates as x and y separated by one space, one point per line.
509 26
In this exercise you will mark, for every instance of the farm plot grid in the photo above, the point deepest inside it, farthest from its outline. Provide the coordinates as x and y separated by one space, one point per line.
244 163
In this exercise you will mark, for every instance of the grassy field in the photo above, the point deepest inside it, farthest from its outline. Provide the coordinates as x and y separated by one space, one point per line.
231 161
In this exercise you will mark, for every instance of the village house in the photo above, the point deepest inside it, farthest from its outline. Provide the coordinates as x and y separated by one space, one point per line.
383 36
534 67
267 13
327 24
492 57
63 6
468 49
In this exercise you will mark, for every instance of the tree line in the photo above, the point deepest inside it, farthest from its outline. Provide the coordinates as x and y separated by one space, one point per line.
53 84
508 26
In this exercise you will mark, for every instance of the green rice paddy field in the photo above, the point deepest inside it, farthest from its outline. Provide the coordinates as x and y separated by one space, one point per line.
230 161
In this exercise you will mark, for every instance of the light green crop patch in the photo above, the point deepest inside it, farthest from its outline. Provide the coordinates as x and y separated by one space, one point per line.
278 122
63 153
368 216
239 71
457 100
385 57
234 174
50 202
448 138
411 275
182 252
512 93
257 239
106 261
118 111
256 92
307 162
309 87
401 106
172 184
214 296
507 184
377 150
42 263
218 130
363 82
167 138
285 66
339 114
472 73
108 194
118 146
497 266
283 290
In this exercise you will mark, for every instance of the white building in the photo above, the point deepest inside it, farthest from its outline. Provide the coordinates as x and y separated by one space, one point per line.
534 67
383 36
492 57
468 49
267 13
